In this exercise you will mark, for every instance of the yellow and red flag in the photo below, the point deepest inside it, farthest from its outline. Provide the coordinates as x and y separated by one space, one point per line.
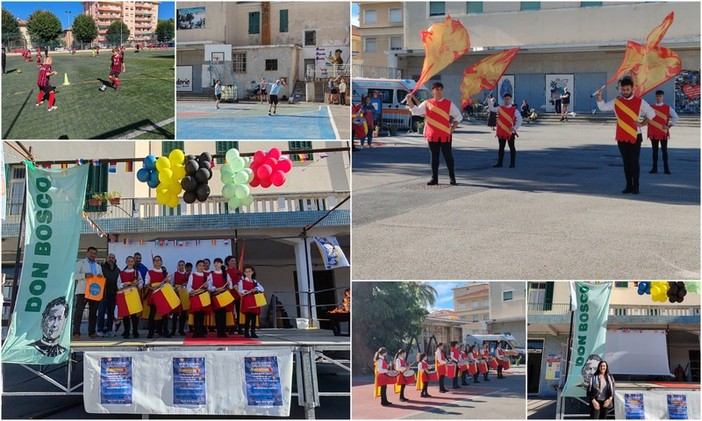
485 74
444 43
657 34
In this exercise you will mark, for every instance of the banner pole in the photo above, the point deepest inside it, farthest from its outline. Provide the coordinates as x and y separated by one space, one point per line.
307 270
20 241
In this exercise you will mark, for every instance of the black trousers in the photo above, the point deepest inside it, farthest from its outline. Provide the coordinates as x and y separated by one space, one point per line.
383 395
630 153
441 383
499 370
402 390
250 322
131 323
162 324
445 149
199 324
455 380
501 150
221 321
424 389
664 149
598 413
78 308
179 321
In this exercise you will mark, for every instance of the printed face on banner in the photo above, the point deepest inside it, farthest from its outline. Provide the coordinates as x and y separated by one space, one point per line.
52 323
590 368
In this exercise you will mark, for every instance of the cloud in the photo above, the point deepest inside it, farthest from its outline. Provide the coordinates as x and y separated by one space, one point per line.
355 11
444 296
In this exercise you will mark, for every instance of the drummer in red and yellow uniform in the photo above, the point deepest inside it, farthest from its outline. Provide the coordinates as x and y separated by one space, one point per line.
441 117
440 362
198 282
401 366
485 356
234 276
454 355
129 277
464 351
500 355
381 368
509 119
658 132
248 285
153 280
219 282
632 113
180 281
422 371
474 358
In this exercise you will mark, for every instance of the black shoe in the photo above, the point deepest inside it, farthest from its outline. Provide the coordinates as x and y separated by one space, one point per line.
635 190
456 387
667 171
403 400
221 335
166 335
486 380
135 335
126 336
246 335
432 182
498 165
653 171
241 331
385 403
511 165
150 336
254 335
428 396
453 182
627 190
443 391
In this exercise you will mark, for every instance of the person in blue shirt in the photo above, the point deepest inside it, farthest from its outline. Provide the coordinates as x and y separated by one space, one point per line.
140 266
218 93
273 96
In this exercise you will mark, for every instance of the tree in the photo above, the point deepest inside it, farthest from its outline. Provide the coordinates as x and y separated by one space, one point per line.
385 314
84 29
10 27
424 292
44 28
165 30
117 33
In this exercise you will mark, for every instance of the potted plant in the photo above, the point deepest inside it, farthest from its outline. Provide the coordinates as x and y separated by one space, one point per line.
96 199
113 197
420 127
392 128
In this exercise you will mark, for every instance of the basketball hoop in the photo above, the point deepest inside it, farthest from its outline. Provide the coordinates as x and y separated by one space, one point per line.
215 60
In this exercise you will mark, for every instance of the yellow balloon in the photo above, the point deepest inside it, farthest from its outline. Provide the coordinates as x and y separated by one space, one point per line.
165 175
173 201
178 172
162 188
162 163
161 197
174 188
176 157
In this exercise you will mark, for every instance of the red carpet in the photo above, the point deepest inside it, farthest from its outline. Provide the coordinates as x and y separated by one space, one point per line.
678 385
212 339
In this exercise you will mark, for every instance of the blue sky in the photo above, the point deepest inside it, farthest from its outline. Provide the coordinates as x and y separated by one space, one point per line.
354 13
444 298
22 10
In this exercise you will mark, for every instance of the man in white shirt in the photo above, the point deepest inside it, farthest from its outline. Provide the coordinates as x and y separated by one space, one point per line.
85 269
509 119
273 97
658 132
632 113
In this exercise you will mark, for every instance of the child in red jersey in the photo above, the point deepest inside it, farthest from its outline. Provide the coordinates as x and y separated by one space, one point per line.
116 67
44 84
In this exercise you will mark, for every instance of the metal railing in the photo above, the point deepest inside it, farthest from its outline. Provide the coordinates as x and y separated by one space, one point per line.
311 320
215 205
620 310
376 72
553 308
336 70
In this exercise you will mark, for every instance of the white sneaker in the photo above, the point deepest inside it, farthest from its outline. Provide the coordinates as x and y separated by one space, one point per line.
53 108
100 334
39 103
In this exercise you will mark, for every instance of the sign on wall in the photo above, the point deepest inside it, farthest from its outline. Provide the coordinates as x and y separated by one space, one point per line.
687 92
328 60
554 89
191 18
184 78
505 85
553 366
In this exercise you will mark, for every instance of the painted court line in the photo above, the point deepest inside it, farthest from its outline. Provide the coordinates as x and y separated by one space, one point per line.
148 128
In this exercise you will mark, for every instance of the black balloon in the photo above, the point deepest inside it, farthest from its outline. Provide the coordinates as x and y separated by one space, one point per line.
189 197
191 166
205 156
205 164
202 175
189 157
188 183
203 192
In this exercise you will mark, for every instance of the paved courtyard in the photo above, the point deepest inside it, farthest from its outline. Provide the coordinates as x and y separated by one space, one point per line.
559 214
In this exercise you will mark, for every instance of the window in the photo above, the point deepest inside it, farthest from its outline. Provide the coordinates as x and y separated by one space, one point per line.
370 16
300 146
97 183
310 37
486 316
254 23
283 20
475 318
590 3
17 189
437 8
395 43
168 146
486 303
395 15
463 306
621 285
239 62
371 45
474 7
221 148
272 65
531 5
507 295
475 304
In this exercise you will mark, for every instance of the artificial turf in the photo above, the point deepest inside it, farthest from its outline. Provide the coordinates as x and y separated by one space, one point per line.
146 97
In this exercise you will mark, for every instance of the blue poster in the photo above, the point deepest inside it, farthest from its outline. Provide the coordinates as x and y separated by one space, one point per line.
634 406
189 381
263 386
116 380
677 407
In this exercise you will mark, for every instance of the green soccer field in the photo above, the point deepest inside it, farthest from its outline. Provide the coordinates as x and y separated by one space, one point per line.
144 100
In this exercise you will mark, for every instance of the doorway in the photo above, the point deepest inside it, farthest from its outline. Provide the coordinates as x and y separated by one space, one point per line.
325 300
535 349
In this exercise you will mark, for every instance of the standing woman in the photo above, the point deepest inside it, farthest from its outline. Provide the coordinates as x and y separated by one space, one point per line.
153 281
247 287
366 111
500 355
464 356
197 282
401 367
600 391
474 357
423 370
492 116
234 276
440 362
485 354
381 367
127 278
218 93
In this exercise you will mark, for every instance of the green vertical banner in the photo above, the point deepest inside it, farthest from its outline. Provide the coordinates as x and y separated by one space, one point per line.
40 332
589 334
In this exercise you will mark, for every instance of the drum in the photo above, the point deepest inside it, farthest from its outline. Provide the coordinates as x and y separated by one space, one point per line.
433 376
492 363
200 301
463 365
222 299
472 368
360 128
441 369
407 377
482 367
505 364
184 298
385 379
128 302
165 299
450 370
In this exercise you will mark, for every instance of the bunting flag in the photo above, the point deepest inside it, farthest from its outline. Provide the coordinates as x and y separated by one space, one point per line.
444 43
241 256
46 165
129 166
302 157
485 74
79 161
64 166
113 167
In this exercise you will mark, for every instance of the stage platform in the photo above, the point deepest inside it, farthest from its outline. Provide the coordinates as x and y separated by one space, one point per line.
318 338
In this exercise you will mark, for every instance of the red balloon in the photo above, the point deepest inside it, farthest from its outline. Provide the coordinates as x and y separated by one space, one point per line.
274 153
284 165
255 182
271 161
266 183
259 157
264 172
278 178
254 166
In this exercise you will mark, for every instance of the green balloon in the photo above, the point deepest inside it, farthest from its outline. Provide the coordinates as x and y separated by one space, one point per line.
229 191
247 201
242 191
232 154
241 178
250 172
237 164
234 202
226 169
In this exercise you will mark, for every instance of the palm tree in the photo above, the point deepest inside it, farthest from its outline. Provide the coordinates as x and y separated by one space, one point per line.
424 292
